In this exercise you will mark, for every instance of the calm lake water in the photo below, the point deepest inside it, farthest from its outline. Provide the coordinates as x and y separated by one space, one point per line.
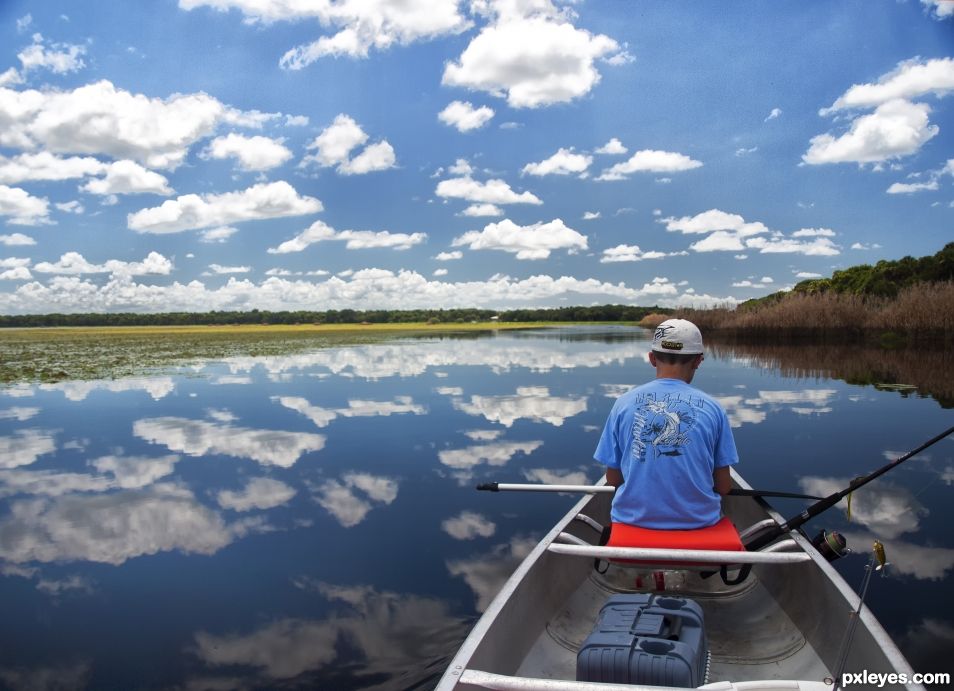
309 521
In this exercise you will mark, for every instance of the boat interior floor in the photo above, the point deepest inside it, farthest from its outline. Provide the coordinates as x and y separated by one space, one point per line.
749 635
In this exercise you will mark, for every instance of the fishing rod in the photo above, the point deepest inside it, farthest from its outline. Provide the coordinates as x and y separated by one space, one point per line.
609 489
795 522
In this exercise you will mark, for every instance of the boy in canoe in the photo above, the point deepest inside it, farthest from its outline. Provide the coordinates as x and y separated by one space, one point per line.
667 446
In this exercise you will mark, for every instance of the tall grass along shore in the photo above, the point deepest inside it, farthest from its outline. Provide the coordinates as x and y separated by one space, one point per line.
920 315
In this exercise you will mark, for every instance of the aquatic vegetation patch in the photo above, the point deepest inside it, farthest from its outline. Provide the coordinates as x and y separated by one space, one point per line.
59 354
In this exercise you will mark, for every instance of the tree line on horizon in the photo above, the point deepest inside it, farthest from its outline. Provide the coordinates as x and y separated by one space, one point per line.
595 313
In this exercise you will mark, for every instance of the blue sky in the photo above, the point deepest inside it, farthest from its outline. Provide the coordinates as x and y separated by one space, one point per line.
282 154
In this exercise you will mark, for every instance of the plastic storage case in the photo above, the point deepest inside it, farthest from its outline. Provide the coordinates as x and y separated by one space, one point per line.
646 639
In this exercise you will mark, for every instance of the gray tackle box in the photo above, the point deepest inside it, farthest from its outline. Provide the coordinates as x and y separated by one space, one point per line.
646 639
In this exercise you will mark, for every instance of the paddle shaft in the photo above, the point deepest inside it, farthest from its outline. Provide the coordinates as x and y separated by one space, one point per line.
608 489
832 499
515 487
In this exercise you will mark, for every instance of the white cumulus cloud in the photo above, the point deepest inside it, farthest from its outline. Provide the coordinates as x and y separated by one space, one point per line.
74 263
631 253
463 116
534 58
362 289
535 241
191 211
613 147
252 153
353 239
910 79
59 58
46 166
911 187
942 8
220 234
16 239
490 192
333 148
128 177
219 270
101 119
479 210
563 162
22 208
895 129
650 161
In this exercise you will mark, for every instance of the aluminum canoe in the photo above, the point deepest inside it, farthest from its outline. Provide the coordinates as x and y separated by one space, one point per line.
781 628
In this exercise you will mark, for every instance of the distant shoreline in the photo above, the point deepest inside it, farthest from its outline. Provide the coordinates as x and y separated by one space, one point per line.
290 329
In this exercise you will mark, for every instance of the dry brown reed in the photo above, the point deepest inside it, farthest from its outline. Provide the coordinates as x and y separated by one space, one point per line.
652 320
922 312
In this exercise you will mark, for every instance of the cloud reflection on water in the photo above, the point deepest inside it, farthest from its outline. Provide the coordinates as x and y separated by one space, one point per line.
322 417
352 498
886 509
200 438
548 476
388 640
468 525
112 528
258 493
24 446
66 677
906 558
487 572
528 403
755 409
75 390
411 359
20 414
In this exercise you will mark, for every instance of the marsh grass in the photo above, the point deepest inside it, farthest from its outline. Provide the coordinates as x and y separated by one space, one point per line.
920 314
57 354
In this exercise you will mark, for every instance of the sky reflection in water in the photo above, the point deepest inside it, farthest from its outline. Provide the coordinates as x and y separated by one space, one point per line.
310 520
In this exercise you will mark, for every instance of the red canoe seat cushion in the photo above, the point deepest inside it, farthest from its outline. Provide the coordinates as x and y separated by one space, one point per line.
721 536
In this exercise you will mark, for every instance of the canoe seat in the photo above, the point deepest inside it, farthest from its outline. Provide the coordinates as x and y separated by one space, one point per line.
721 536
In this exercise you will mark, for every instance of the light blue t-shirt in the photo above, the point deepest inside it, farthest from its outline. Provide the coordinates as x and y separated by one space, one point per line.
666 438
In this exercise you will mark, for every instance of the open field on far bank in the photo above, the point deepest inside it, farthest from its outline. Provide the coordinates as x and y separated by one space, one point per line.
51 354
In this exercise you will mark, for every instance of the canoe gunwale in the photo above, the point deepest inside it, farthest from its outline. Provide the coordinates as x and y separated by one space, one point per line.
500 682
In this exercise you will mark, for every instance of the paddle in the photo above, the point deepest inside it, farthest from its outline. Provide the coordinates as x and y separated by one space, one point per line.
795 522
596 489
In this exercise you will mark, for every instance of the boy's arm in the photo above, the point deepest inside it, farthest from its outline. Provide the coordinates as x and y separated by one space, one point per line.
614 477
721 480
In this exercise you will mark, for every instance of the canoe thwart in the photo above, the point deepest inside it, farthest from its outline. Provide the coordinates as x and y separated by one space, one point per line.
677 555
501 682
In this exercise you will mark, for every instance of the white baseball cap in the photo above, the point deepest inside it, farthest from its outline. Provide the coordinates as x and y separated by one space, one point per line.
677 336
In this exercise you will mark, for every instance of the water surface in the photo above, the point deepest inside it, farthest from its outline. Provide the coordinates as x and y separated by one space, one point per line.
309 520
